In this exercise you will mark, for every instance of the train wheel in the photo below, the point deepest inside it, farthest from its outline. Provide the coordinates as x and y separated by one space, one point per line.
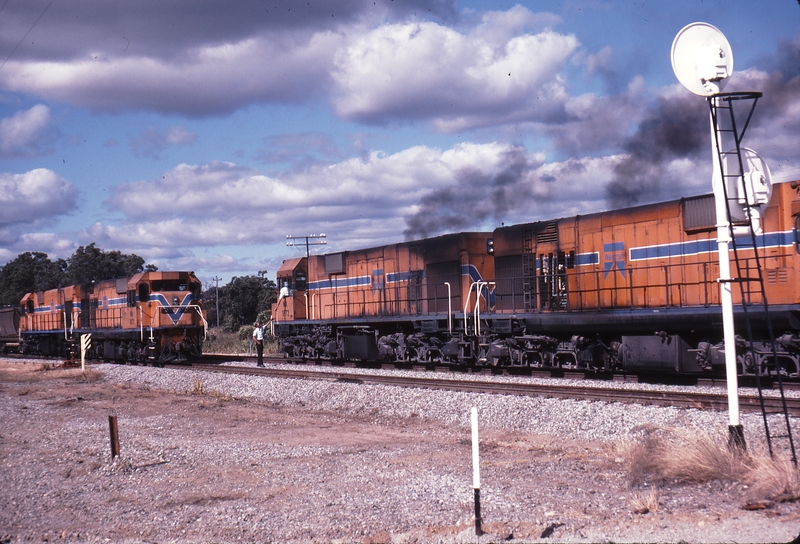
532 359
748 366
788 366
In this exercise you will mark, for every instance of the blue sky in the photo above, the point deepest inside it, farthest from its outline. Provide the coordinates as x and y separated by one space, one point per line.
199 134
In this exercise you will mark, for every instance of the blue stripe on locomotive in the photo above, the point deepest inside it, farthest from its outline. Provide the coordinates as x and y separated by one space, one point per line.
339 282
174 313
696 247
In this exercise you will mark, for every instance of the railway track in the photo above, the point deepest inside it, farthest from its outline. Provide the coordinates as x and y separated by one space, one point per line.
702 400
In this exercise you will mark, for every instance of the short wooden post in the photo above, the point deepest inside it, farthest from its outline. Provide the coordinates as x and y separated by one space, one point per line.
112 426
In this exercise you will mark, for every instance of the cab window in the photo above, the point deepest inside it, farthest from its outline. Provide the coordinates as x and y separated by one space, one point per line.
300 279
797 233
144 292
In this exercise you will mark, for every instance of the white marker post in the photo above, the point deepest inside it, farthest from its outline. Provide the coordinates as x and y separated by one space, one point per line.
86 342
476 472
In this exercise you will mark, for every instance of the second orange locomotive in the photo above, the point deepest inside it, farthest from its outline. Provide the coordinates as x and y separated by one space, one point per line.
634 289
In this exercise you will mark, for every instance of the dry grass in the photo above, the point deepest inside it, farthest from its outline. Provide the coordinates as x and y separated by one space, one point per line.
222 396
645 502
220 341
692 456
91 375
39 372
774 478
198 388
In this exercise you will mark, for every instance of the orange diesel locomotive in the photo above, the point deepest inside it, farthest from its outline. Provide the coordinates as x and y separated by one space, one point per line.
638 289
150 316
634 289
397 302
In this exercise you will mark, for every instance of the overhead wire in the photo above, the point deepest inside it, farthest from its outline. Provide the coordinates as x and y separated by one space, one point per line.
26 34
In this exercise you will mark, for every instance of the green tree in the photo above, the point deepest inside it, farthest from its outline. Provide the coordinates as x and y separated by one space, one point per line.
242 301
91 263
33 271
28 272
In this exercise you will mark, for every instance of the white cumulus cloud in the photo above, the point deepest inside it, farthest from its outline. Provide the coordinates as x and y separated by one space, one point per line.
458 80
26 133
358 202
35 196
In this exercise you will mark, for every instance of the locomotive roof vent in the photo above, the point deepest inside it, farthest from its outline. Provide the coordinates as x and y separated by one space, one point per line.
549 234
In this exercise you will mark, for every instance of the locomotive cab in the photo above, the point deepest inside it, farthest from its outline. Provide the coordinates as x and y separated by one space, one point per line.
292 296
167 302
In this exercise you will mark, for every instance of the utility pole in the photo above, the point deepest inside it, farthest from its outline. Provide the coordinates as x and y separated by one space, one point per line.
310 240
216 279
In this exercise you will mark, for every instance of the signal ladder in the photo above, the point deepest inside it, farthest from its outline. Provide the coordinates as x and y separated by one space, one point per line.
750 278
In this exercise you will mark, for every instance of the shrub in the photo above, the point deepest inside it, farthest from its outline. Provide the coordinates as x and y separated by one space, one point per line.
686 455
645 502
694 456
220 341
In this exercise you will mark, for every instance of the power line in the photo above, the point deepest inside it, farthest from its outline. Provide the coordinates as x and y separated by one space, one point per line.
26 34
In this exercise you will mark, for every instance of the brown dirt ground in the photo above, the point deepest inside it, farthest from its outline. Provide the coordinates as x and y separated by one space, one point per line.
201 467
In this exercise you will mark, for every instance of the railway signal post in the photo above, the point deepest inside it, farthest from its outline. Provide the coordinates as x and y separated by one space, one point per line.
703 61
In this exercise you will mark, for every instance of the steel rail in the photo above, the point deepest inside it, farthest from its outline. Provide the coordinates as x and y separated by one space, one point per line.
701 400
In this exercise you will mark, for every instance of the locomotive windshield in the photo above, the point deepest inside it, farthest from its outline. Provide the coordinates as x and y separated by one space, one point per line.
170 285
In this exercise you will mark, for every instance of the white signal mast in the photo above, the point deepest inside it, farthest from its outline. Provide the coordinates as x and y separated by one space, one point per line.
703 61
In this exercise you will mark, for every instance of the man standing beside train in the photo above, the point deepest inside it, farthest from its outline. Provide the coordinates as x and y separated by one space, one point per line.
258 336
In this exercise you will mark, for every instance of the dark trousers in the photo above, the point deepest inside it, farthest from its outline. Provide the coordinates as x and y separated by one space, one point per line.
260 350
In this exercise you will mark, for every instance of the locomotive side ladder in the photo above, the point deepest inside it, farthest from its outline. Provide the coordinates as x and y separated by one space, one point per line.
528 269
749 276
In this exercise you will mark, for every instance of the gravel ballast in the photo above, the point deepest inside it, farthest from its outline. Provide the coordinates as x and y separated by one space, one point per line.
209 457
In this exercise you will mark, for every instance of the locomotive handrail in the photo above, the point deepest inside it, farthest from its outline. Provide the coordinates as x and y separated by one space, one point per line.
200 313
449 309
75 312
466 305
477 310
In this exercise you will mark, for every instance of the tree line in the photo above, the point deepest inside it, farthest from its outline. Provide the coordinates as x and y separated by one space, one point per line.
242 301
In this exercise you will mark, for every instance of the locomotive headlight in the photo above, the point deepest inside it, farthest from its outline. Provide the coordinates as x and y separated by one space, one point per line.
174 300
